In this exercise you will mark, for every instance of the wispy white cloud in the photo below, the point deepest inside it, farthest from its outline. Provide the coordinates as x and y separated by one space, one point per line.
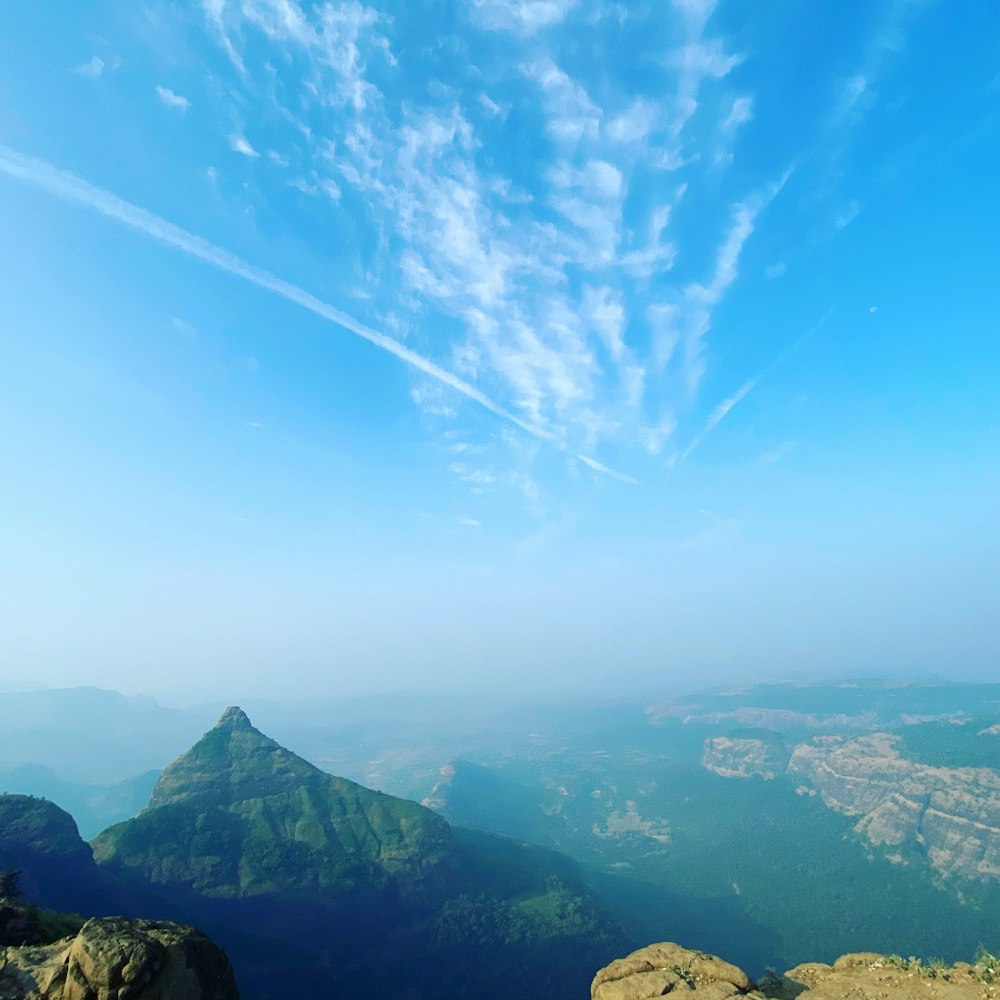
592 463
687 322
524 16
70 187
238 144
177 101
658 253
740 114
215 13
695 13
847 214
541 278
696 61
776 454
854 94
572 115
317 187
634 123
93 67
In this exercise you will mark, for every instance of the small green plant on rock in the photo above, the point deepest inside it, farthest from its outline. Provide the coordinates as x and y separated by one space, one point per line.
986 967
686 974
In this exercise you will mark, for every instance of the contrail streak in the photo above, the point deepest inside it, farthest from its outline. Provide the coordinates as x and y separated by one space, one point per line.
723 408
69 187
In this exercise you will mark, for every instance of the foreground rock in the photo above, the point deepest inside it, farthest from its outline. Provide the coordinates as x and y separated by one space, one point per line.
659 969
113 958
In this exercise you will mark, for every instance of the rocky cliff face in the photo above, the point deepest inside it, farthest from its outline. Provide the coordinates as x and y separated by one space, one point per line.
112 958
660 969
951 813
745 756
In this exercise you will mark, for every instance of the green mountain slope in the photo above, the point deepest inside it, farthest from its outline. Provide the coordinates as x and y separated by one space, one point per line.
238 815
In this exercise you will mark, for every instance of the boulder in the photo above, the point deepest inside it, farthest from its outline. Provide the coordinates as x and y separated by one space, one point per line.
114 958
659 969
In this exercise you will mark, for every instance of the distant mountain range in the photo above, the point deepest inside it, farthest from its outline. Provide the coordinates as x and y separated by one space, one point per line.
317 886
774 823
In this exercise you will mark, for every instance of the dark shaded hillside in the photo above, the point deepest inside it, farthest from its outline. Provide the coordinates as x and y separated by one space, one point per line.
56 867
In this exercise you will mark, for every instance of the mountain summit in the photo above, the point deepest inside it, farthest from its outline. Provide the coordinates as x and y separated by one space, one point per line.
233 718
239 815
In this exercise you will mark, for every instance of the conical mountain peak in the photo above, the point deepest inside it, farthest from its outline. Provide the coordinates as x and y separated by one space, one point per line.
239 814
233 718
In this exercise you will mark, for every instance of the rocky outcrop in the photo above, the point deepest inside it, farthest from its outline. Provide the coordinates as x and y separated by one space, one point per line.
762 756
113 958
665 968
868 976
952 813
659 969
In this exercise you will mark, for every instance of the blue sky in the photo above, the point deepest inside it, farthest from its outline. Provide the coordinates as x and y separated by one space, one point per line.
538 344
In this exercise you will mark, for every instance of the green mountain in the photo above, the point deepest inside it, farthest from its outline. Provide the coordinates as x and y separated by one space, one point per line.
317 886
239 815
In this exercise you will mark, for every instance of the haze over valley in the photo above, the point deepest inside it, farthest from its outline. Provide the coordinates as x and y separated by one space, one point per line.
775 824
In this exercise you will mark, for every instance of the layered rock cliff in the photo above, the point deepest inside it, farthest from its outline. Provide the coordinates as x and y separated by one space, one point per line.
952 813
113 958
746 755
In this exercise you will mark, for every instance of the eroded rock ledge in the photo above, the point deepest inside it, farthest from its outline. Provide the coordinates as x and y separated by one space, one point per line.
659 969
113 958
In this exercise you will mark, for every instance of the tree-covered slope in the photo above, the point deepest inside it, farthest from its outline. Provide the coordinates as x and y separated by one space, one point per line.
238 814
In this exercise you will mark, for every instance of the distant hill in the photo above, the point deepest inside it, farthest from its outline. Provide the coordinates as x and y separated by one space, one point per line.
92 736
